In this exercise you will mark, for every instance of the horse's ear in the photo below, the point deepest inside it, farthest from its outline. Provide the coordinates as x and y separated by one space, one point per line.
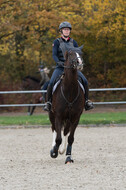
66 55
81 47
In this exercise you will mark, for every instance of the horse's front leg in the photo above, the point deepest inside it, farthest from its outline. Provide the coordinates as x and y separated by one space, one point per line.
69 146
57 140
69 151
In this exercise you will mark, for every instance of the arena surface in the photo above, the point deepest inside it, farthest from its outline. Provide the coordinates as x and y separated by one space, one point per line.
99 155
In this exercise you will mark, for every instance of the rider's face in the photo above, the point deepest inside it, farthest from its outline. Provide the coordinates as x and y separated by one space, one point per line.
66 31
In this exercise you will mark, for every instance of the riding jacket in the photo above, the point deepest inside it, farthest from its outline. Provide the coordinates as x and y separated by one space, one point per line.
60 46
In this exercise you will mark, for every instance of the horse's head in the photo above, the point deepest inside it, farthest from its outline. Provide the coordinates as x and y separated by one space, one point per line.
74 59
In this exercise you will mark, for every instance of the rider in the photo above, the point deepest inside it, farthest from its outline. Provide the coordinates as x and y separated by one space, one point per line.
58 51
44 80
44 76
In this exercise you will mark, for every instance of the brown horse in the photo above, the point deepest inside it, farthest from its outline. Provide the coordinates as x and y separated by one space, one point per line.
32 83
67 105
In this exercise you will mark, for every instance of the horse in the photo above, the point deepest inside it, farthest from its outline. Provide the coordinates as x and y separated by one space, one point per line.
32 83
67 106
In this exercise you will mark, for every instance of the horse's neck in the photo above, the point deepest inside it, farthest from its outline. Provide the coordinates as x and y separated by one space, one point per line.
70 81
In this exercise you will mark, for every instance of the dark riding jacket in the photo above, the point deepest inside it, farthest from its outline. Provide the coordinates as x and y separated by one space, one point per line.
59 48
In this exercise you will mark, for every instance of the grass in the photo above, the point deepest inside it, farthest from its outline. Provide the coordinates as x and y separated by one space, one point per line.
104 118
88 118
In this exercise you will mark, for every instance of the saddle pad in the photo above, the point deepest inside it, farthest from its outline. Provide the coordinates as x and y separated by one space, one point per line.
57 83
82 87
55 86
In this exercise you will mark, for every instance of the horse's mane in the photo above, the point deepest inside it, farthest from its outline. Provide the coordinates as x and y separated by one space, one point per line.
75 49
32 78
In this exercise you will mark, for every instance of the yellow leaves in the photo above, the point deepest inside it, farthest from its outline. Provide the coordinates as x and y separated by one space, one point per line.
36 53
6 45
38 14
96 23
118 75
107 20
4 49
31 54
51 33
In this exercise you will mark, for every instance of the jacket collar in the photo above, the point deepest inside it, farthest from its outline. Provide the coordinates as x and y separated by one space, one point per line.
66 40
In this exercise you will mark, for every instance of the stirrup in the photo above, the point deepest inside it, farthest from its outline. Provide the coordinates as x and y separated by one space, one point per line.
48 106
88 105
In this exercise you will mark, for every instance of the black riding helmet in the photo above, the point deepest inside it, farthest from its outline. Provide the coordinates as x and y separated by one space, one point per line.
65 25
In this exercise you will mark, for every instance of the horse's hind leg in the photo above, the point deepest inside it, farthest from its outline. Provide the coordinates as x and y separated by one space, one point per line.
65 134
29 108
32 110
62 147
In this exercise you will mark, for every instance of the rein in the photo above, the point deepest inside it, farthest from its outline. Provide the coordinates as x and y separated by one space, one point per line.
70 103
68 67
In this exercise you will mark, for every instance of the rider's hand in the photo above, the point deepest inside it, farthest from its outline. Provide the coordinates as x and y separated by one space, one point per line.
60 64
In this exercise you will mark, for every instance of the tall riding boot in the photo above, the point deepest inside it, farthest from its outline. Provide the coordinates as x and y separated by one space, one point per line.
49 99
88 104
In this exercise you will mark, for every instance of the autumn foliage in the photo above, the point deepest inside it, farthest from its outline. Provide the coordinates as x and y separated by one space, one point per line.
28 28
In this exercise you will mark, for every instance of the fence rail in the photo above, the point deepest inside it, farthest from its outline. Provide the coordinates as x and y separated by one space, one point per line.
44 91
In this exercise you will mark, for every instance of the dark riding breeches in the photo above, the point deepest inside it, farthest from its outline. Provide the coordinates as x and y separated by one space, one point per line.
45 86
56 74
82 79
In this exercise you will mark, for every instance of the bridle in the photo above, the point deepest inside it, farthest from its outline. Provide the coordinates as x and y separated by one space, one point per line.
74 63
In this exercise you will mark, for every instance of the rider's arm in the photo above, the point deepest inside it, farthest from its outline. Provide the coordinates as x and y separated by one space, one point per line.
55 50
75 43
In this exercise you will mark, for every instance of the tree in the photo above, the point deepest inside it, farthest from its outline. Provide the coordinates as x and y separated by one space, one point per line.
28 28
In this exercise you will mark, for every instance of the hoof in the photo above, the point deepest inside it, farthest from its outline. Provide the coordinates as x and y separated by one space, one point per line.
53 153
69 160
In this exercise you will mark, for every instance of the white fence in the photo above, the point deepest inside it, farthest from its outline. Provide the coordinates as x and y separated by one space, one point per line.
44 91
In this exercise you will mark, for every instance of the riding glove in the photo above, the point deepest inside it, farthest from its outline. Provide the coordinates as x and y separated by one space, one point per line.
60 64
